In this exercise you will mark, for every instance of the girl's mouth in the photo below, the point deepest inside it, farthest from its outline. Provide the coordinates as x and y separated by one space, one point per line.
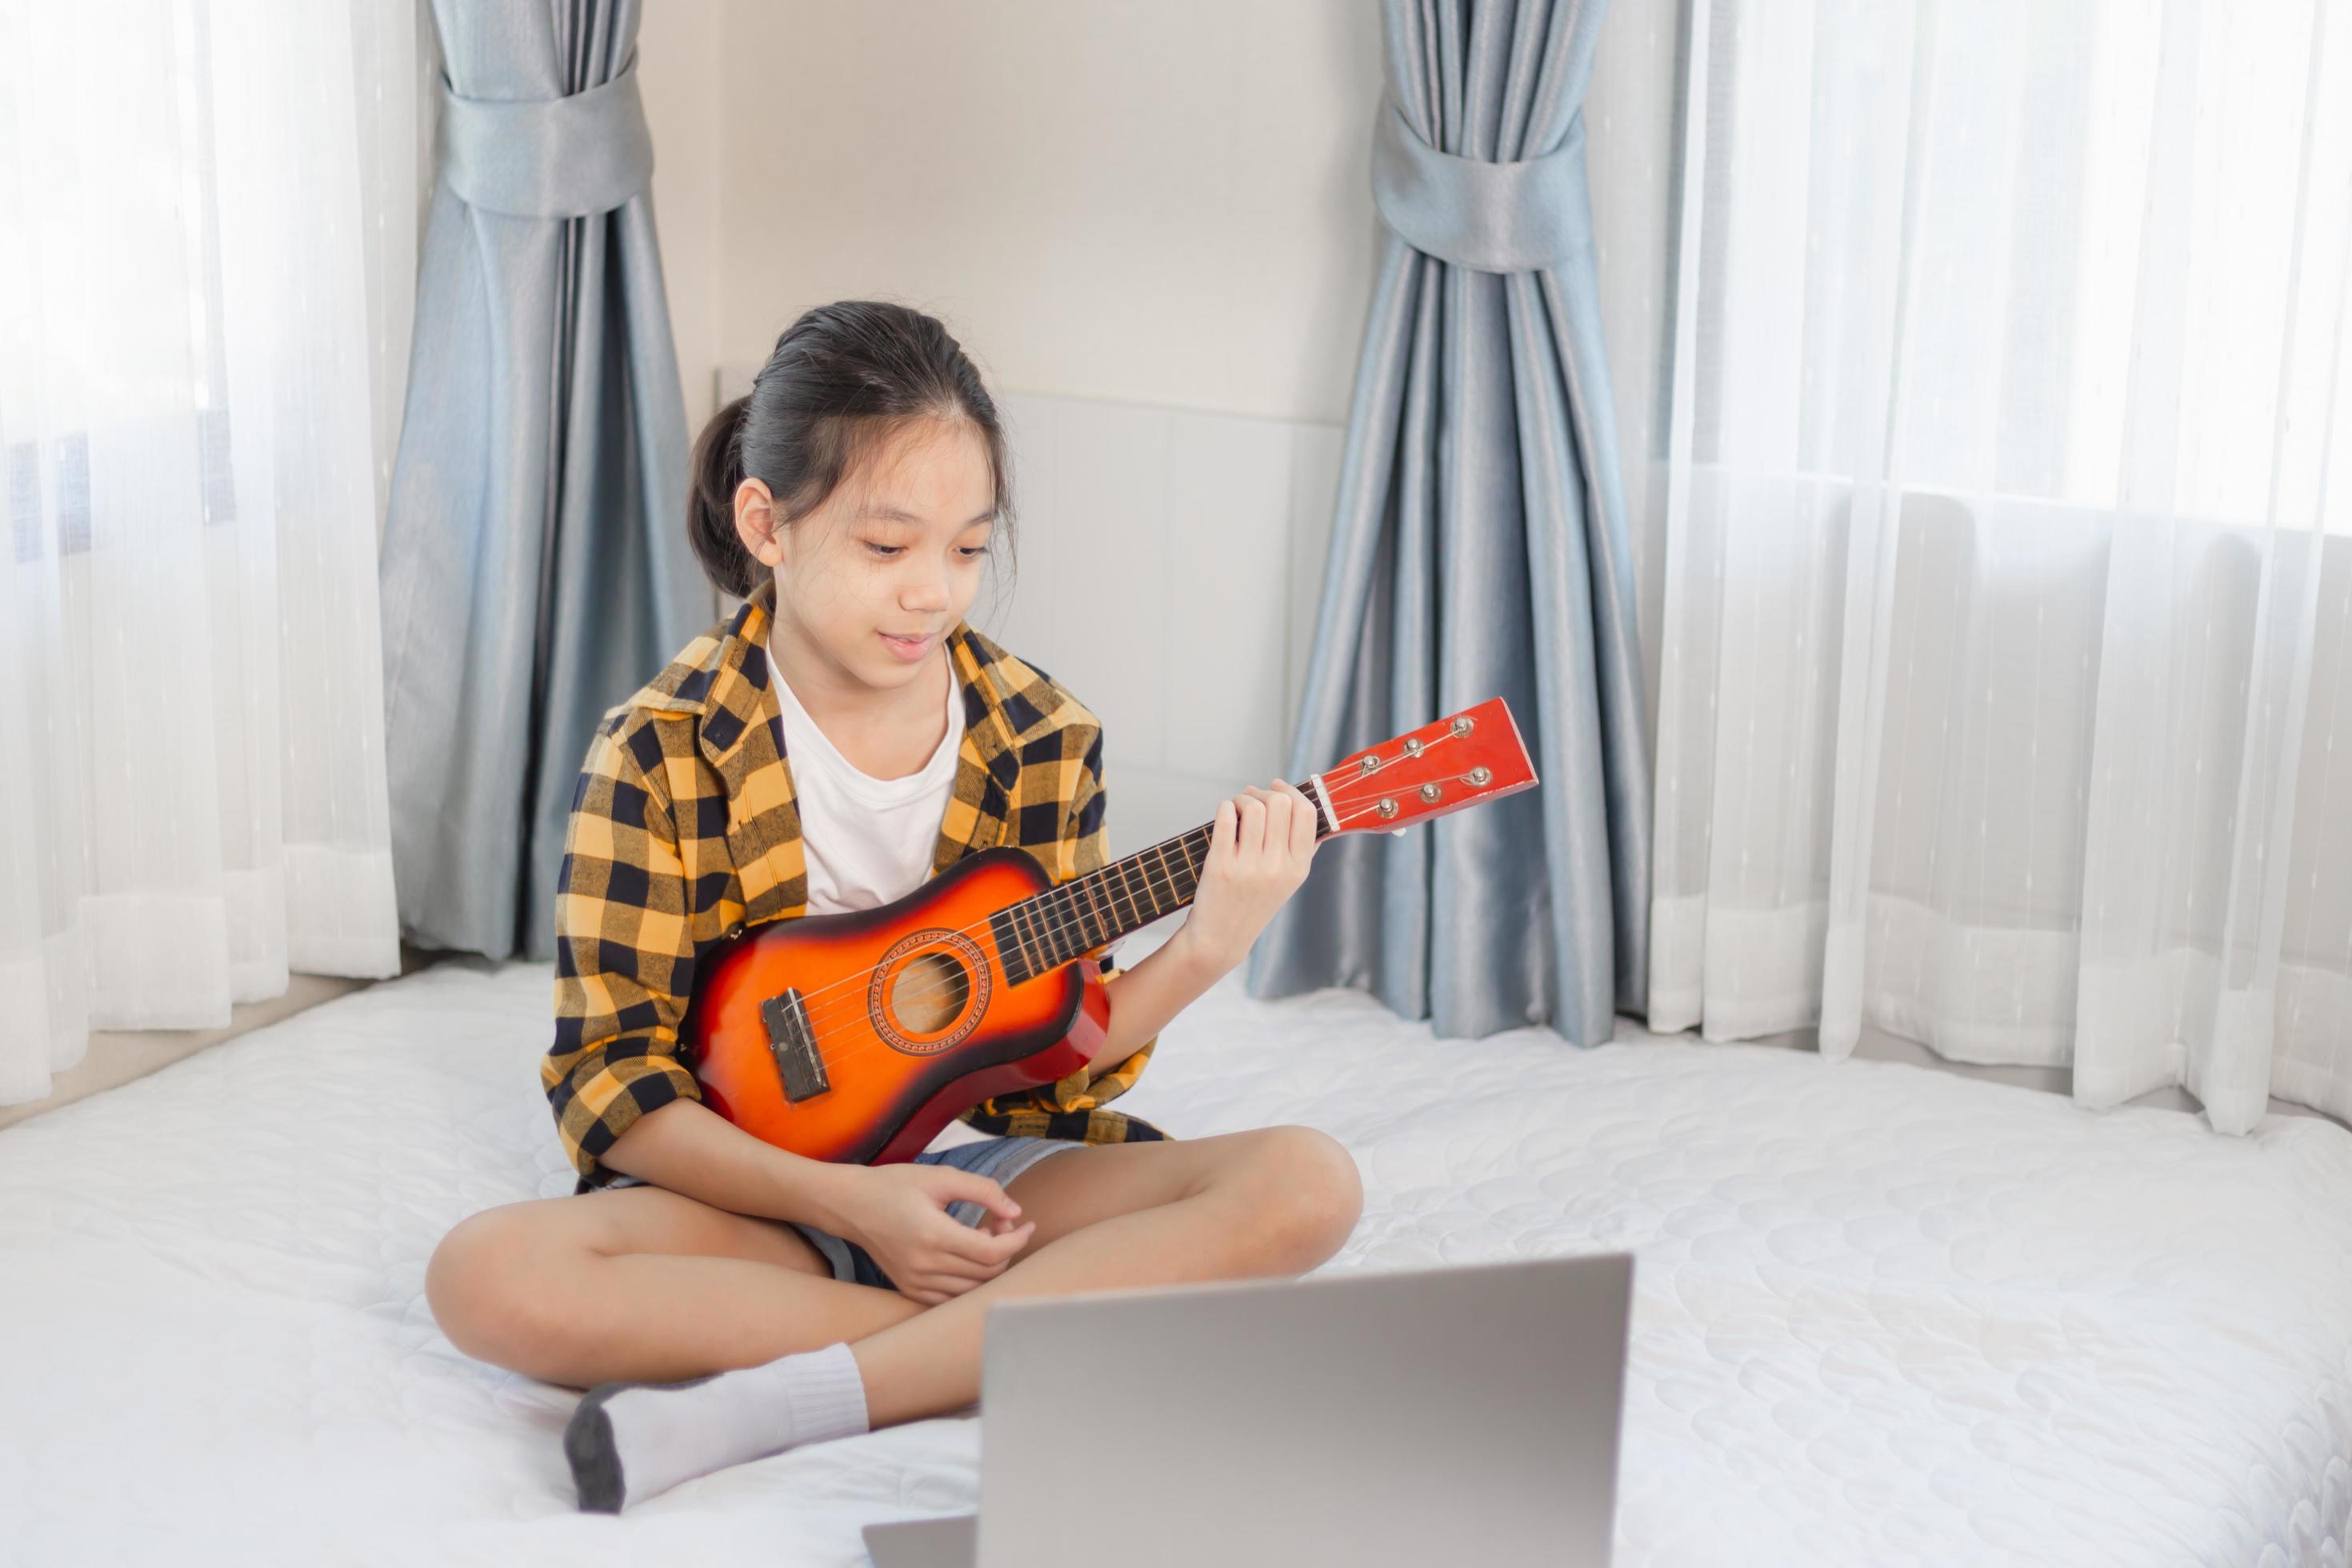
908 648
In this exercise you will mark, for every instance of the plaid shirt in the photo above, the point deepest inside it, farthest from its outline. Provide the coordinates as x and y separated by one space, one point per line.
684 832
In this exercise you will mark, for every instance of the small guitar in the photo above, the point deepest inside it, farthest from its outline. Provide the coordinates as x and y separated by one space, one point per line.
857 1037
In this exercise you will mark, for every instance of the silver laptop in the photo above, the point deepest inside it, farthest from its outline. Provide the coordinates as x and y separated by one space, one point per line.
1454 1416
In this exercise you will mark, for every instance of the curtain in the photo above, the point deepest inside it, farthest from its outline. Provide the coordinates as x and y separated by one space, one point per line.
1479 550
535 564
2006 693
197 284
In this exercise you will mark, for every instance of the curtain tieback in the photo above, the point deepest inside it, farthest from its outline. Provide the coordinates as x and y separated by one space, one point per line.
548 158
1490 218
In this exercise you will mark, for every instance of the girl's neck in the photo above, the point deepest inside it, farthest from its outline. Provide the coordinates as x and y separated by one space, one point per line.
881 726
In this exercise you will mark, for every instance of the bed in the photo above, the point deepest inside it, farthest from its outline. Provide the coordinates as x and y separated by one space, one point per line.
1883 1314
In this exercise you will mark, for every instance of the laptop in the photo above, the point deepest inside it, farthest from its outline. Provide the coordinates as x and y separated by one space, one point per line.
1450 1415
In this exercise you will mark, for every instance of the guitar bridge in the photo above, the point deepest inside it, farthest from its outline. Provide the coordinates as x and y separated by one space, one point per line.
793 1044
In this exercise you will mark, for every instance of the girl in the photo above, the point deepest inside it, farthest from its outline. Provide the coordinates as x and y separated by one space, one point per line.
841 738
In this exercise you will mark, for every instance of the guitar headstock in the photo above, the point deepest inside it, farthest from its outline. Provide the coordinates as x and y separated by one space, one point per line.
1471 756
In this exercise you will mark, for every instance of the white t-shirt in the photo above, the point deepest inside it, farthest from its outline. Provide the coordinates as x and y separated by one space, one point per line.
866 841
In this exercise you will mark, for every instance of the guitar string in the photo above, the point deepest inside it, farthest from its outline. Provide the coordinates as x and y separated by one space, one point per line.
864 1051
1059 919
1059 902
1058 905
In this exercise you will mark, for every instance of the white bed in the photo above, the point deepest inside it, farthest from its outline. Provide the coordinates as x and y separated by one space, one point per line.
1883 1314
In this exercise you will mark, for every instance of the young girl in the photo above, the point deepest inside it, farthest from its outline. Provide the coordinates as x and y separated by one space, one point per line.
840 739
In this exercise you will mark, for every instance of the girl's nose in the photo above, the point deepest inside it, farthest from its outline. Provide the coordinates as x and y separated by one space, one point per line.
928 592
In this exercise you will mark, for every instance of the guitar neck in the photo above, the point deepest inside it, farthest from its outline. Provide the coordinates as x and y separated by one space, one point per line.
1086 914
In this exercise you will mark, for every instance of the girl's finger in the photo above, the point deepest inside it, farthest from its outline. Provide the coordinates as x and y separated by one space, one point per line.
985 1191
954 1266
1279 811
1302 822
1002 1247
1251 832
962 1242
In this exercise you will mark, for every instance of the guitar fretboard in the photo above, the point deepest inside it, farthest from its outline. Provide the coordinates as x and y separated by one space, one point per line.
1042 933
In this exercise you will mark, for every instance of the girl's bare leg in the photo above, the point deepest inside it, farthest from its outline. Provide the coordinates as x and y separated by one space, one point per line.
642 1285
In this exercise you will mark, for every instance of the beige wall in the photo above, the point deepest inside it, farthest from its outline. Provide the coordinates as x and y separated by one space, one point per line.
1150 222
677 72
1165 203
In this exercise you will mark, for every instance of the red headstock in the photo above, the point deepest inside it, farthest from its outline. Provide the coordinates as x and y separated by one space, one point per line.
1474 755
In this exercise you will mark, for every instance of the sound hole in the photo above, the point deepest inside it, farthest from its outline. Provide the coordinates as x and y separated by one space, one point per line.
929 993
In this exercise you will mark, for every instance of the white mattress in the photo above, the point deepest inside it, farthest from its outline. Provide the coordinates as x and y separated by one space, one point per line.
1883 1314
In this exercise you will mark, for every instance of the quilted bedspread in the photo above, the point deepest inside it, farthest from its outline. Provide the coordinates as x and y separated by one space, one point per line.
1883 1314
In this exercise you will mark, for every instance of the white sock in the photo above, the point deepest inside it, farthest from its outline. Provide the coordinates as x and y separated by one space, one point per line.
629 1441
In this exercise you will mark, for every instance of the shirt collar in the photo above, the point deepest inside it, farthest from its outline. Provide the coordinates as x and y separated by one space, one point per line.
726 679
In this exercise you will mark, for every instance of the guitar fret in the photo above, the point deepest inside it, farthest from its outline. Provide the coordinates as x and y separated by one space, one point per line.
1099 933
1061 920
1159 853
1144 869
1051 916
1033 951
1122 919
1083 907
1138 892
1161 885
1188 861
1002 926
1090 912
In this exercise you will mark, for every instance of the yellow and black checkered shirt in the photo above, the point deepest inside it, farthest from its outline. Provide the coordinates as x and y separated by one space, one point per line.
684 832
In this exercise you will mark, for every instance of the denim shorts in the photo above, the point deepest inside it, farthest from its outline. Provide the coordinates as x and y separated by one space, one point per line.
1000 1159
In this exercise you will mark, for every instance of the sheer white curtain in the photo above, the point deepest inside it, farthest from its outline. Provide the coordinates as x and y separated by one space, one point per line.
2006 655
205 244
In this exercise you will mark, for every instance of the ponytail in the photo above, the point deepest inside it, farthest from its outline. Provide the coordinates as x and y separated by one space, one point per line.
841 380
710 502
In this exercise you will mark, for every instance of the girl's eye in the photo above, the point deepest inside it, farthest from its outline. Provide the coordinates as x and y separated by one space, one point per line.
890 551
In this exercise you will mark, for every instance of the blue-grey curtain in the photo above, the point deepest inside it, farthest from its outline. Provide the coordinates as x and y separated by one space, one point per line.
535 564
1480 549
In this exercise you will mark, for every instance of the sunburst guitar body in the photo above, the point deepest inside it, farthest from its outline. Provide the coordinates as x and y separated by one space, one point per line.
857 1037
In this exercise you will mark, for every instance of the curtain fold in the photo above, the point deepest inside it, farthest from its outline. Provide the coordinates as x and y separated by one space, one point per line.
197 288
535 563
2008 583
1479 549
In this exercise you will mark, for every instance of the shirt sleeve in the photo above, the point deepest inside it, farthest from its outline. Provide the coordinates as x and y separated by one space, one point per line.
624 960
1084 847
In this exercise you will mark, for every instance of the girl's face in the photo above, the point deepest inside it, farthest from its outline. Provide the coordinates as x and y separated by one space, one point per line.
871 581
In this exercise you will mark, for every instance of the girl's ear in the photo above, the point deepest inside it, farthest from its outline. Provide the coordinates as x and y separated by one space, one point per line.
755 522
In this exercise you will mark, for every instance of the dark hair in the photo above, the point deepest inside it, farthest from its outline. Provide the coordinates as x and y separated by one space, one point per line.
841 380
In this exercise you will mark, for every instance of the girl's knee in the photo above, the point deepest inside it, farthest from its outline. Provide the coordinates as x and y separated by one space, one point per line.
1307 1191
485 1295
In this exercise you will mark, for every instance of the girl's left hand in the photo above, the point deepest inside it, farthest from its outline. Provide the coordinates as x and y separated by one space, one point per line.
1259 850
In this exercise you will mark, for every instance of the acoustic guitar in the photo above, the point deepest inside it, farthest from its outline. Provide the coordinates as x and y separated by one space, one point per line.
856 1036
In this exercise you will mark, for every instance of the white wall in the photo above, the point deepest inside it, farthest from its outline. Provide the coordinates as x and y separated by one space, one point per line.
1151 226
1162 204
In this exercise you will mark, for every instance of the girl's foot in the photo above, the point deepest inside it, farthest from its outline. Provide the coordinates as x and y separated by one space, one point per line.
629 1441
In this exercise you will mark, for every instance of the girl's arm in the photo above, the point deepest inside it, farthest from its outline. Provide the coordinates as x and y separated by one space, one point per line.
626 949
689 1148
898 1213
1259 851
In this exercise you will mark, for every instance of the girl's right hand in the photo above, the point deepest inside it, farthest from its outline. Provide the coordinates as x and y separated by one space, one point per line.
899 1214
